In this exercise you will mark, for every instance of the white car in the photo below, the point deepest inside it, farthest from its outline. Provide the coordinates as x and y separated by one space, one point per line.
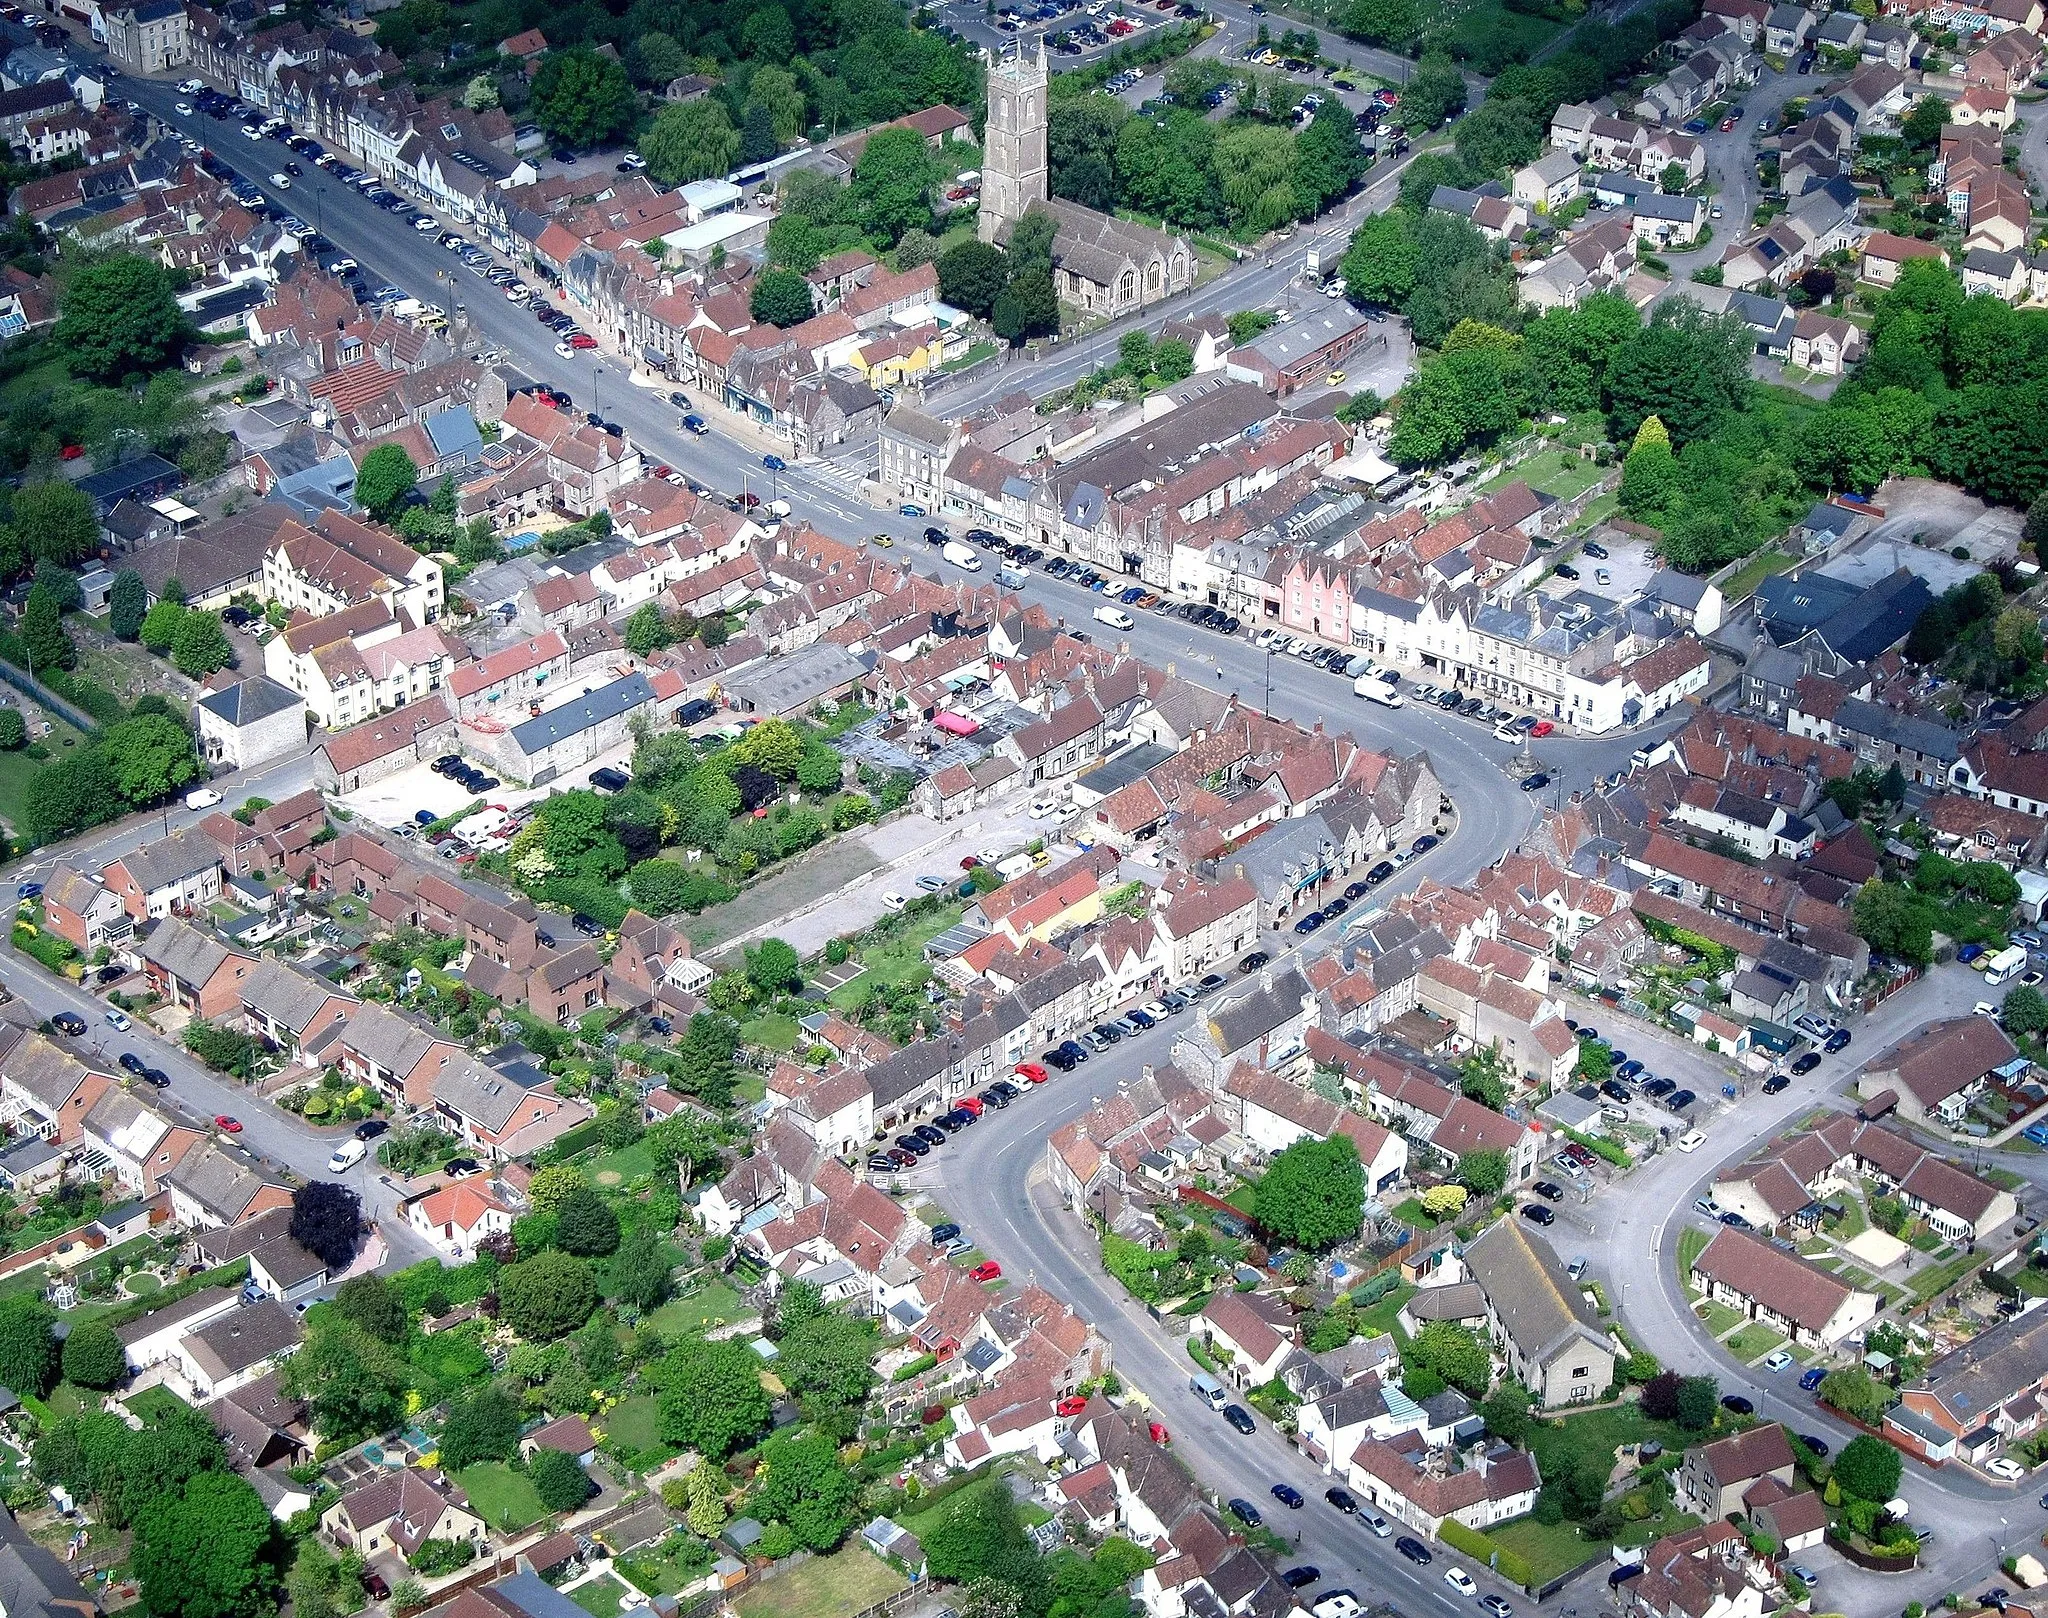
252 131
183 109
565 351
120 1021
347 1155
1043 808
1461 1581
1777 1361
1691 1141
893 901
426 222
2009 1470
201 798
190 87
281 180
1984 1008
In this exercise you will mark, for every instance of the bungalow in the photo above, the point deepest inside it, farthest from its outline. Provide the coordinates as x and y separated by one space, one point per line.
1781 1289
457 1217
1935 1075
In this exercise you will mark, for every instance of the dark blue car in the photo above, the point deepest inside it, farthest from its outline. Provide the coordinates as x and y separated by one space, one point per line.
1811 1379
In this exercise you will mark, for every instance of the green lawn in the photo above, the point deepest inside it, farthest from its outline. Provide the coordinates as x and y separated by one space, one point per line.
1590 1437
601 1597
1934 1278
1721 1319
613 1169
1742 583
154 1404
898 958
1554 472
502 1497
633 1427
1753 1342
824 1587
712 1305
777 1031
1691 1243
1378 1317
1549 1550
17 769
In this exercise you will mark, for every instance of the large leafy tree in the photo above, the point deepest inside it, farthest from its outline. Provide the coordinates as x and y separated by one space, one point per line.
354 1384
1313 1193
1080 143
1868 1468
559 1479
972 276
207 1551
1449 1351
586 1225
127 604
1687 368
805 1485
93 1356
692 141
28 1351
54 522
639 1271
119 316
892 183
370 1302
42 631
711 1396
483 1425
327 1220
1328 160
201 646
547 1296
385 480
583 98
781 298
66 797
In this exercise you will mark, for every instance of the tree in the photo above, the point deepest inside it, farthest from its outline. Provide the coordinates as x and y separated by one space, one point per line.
977 1536
781 298
704 1059
1434 91
554 1185
892 182
586 1225
327 1221
52 522
1698 1398
1894 921
148 756
1673 180
547 1296
775 89
711 1396
42 632
1173 360
804 1484
1485 1172
972 276
757 134
1027 308
13 729
1922 127
640 1271
654 59
119 316
28 1351
690 141
1506 1412
1498 136
558 1478
1081 143
201 646
1451 1352
373 1305
2025 1011
1328 161
1660 1396
827 1362
1856 1393
583 98
385 481
206 1551
1484 1077
482 1425
773 968
93 1356
1868 1468
707 1501
127 604
1313 1193
160 628
647 631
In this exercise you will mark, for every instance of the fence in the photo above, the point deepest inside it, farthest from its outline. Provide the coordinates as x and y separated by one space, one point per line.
56 704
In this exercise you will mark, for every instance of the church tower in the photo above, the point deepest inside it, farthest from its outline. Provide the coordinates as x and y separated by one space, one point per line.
1013 145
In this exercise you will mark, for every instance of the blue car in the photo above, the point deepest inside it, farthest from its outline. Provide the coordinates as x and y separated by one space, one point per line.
1811 1379
29 890
1969 953
775 463
2037 1133
1310 922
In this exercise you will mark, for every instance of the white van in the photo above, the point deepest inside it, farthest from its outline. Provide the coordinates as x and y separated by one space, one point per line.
1016 865
202 798
961 556
1206 1388
347 1155
1115 617
1374 689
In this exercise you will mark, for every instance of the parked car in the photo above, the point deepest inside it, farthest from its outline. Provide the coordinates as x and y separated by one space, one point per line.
1240 1418
987 1270
1414 1550
1289 1496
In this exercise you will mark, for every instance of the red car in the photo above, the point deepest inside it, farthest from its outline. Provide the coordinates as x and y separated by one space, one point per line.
1727 124
959 193
71 452
1071 1406
1542 727
1032 1071
973 1106
970 862
987 1270
1159 1433
232 1125
582 339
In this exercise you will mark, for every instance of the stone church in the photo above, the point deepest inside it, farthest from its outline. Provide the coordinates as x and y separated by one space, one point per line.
1102 265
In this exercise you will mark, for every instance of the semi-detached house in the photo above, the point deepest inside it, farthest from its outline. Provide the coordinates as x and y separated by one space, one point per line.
179 872
44 1090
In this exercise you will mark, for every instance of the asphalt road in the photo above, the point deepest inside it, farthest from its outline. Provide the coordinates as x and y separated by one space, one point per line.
1731 167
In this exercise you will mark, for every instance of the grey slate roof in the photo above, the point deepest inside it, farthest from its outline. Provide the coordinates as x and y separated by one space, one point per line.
184 951
247 701
607 702
1238 1023
170 859
248 1336
1528 1292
